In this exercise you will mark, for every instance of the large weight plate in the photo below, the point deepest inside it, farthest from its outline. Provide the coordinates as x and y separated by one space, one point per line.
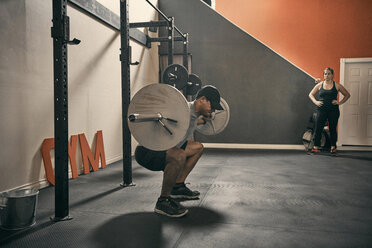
308 139
176 75
170 103
218 121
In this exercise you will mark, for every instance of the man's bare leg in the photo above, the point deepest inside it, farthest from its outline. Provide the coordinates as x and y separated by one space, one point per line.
175 161
194 150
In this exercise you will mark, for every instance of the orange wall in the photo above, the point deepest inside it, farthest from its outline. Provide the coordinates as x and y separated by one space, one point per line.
312 34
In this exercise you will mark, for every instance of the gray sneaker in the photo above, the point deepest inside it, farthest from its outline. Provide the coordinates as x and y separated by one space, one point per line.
170 208
183 192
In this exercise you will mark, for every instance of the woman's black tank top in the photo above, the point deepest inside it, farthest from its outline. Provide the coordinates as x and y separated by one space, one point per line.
327 96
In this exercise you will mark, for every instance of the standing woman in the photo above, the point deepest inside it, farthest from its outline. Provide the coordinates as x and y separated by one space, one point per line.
327 108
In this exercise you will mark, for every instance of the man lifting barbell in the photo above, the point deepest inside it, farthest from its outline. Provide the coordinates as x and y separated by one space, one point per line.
178 161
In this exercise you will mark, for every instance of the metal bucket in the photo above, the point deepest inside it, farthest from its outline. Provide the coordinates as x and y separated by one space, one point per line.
18 209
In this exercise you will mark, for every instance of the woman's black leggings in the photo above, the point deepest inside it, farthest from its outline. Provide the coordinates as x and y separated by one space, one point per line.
322 116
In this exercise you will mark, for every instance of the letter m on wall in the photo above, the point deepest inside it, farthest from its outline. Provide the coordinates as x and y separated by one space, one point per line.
87 154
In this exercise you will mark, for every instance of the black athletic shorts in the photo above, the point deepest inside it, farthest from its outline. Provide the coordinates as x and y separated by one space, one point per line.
152 160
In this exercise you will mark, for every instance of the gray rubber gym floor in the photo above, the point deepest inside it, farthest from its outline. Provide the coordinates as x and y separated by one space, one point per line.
250 198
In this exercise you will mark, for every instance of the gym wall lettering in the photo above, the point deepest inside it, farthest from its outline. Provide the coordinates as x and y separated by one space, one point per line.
86 154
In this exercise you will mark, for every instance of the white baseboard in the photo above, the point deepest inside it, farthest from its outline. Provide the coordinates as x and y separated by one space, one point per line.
253 146
43 183
114 159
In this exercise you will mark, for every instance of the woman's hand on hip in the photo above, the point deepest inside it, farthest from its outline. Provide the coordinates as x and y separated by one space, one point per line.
319 103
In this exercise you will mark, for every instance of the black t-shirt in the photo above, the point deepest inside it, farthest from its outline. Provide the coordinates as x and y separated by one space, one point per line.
327 96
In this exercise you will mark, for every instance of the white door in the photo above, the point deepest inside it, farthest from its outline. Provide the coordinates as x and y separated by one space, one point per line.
356 113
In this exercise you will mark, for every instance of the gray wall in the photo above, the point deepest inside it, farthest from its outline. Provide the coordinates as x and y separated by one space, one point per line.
267 95
94 85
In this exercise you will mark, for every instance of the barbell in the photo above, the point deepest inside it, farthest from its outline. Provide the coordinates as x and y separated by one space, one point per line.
159 117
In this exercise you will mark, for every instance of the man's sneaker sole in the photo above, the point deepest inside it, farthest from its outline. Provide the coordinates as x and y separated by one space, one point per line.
185 197
158 211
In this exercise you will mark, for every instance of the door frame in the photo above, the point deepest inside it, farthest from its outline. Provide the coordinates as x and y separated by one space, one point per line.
343 62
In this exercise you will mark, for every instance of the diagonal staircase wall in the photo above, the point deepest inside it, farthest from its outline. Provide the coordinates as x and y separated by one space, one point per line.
267 95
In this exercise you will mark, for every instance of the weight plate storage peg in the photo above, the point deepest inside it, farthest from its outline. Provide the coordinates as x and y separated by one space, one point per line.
158 117
176 75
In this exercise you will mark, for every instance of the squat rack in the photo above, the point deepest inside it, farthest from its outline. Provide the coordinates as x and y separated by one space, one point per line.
60 33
